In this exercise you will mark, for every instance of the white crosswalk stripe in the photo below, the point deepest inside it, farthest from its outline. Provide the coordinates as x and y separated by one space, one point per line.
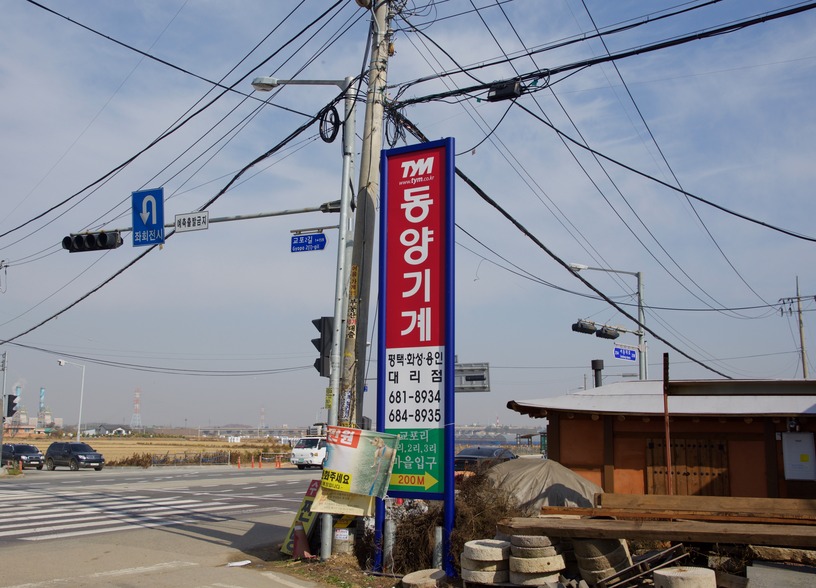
38 515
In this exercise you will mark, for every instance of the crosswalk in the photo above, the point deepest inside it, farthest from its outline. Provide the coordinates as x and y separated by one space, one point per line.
30 515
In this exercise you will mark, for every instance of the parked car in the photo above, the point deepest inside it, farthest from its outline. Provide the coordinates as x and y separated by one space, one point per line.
308 452
74 455
472 459
27 456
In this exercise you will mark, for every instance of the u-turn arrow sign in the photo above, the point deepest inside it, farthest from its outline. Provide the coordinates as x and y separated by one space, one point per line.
148 217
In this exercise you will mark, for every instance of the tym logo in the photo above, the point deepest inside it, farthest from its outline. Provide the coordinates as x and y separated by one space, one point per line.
417 167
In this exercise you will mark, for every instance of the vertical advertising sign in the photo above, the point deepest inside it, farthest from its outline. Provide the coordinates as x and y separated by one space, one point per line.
416 355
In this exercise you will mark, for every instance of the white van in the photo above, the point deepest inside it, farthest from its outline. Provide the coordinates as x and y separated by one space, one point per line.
308 452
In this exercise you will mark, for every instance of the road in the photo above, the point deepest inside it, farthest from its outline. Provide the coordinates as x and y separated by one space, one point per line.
178 526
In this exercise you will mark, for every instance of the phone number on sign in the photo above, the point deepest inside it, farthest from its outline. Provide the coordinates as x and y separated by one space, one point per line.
416 397
418 415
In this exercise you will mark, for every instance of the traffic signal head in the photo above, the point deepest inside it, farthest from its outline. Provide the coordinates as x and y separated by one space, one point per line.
325 325
11 408
92 241
607 333
584 327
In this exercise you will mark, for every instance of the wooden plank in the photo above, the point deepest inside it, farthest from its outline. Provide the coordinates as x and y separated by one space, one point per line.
655 467
722 483
773 507
800 536
680 467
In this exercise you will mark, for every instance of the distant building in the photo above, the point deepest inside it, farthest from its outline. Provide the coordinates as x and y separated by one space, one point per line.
725 437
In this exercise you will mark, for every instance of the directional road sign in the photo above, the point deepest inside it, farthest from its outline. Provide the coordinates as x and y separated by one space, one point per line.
310 242
627 353
148 217
193 221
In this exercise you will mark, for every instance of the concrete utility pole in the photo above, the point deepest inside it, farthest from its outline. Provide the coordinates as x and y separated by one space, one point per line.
4 365
798 299
351 394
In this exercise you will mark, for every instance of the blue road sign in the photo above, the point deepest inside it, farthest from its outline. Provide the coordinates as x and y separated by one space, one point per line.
148 217
627 353
310 242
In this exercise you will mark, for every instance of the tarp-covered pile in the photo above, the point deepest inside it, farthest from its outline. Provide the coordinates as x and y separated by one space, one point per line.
541 482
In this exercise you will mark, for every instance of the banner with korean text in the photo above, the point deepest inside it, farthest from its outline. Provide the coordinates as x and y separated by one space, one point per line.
416 356
358 461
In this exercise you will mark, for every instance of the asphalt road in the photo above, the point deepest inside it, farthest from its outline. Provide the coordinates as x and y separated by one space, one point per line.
129 527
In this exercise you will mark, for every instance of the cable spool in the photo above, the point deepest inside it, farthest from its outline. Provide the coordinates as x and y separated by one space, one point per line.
329 125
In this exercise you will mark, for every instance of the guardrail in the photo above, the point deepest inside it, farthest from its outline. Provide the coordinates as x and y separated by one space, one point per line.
278 459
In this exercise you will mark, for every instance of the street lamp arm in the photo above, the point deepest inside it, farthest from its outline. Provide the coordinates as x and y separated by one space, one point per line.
577 267
266 83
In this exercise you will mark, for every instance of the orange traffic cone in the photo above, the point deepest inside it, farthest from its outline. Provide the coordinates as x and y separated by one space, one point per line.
300 549
239 462
253 462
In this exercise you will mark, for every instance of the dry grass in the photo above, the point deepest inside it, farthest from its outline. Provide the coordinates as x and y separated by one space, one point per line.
479 506
122 449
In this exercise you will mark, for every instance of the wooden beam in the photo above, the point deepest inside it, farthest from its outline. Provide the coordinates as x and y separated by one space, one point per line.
771 507
673 515
608 471
799 536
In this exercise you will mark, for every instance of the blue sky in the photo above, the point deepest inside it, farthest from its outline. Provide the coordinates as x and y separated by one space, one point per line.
728 118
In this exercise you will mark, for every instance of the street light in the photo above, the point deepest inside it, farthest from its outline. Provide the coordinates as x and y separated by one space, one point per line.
643 370
81 391
265 84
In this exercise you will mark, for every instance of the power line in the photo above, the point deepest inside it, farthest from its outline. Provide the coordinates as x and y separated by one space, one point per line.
644 49
178 124
482 194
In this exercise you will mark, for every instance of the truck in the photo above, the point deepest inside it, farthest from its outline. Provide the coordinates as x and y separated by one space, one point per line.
309 452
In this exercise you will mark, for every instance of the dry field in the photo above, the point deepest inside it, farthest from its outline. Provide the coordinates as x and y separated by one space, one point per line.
119 448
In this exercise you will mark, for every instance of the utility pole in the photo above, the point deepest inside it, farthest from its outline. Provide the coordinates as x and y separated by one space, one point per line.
798 299
4 365
351 393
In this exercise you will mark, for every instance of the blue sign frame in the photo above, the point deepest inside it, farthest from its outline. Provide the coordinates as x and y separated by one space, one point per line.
625 353
309 242
148 217
447 494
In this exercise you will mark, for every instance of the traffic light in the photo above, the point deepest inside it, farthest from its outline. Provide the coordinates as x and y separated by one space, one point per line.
607 333
584 327
92 241
325 325
11 408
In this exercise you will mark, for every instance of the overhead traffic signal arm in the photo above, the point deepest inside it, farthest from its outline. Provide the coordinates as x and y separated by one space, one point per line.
92 241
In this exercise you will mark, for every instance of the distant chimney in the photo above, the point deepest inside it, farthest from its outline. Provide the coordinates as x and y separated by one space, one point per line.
597 367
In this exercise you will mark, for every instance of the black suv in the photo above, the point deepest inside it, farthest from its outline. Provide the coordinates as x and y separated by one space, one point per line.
24 455
75 455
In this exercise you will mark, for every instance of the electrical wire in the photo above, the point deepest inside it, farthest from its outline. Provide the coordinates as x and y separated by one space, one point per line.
522 229
170 234
671 170
614 29
634 51
728 211
171 130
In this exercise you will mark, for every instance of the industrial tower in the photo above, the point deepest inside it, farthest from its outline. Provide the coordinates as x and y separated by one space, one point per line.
136 419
